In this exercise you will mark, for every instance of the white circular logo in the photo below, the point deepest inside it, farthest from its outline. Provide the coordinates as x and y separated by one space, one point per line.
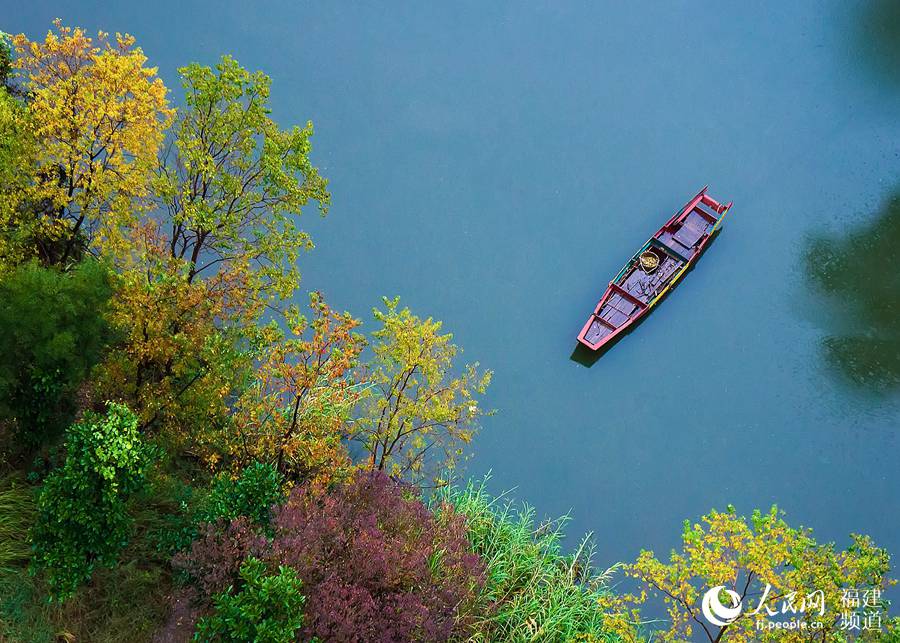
715 612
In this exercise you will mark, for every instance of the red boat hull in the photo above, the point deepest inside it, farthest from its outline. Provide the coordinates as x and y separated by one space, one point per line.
637 288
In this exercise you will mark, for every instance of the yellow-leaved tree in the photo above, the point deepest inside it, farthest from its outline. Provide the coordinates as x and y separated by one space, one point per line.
417 417
768 572
295 412
99 114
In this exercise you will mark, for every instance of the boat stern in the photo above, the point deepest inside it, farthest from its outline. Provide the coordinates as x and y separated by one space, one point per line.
595 333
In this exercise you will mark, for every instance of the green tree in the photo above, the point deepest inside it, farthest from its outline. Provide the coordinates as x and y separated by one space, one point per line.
746 557
416 413
82 517
265 608
195 281
52 332
232 182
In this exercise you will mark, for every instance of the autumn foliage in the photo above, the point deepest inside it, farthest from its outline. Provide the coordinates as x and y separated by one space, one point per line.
418 417
295 411
177 361
100 115
259 469
376 564
768 564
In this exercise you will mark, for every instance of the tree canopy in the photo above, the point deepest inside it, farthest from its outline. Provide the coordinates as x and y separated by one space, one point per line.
417 412
771 569
100 114
232 182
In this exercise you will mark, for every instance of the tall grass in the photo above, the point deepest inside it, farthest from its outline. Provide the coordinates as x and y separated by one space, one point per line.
533 592
17 512
20 618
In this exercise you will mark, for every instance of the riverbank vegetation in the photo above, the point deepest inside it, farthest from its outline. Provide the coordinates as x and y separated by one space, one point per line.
188 454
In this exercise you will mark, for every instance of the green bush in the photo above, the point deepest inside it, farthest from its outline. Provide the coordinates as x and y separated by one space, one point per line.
52 332
268 608
532 592
252 494
82 517
181 505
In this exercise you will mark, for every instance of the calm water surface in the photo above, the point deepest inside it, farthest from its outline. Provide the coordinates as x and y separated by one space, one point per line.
495 163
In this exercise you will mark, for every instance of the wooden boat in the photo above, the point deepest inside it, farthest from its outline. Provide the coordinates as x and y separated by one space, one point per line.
653 270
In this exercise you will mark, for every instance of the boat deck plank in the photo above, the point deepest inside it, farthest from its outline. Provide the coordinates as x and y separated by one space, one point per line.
597 331
688 234
697 220
645 286
668 239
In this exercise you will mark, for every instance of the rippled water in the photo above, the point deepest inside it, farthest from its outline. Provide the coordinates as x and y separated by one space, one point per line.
495 164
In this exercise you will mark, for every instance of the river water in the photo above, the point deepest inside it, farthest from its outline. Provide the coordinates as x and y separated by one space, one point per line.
495 164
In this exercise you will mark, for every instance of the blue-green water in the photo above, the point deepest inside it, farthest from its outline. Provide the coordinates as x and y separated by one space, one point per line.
495 163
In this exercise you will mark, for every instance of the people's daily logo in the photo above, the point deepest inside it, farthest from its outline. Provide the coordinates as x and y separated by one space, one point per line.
716 613
860 609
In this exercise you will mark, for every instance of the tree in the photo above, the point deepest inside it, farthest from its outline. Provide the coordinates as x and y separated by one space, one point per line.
177 362
82 509
17 172
52 333
5 60
196 280
294 413
99 114
767 564
265 608
416 413
232 181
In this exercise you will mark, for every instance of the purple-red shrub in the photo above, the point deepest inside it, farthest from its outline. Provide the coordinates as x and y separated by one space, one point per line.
375 563
214 558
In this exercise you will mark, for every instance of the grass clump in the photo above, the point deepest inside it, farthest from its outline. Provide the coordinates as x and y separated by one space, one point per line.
532 591
17 512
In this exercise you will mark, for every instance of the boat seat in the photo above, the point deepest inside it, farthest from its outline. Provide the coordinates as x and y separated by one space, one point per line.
673 248
688 235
